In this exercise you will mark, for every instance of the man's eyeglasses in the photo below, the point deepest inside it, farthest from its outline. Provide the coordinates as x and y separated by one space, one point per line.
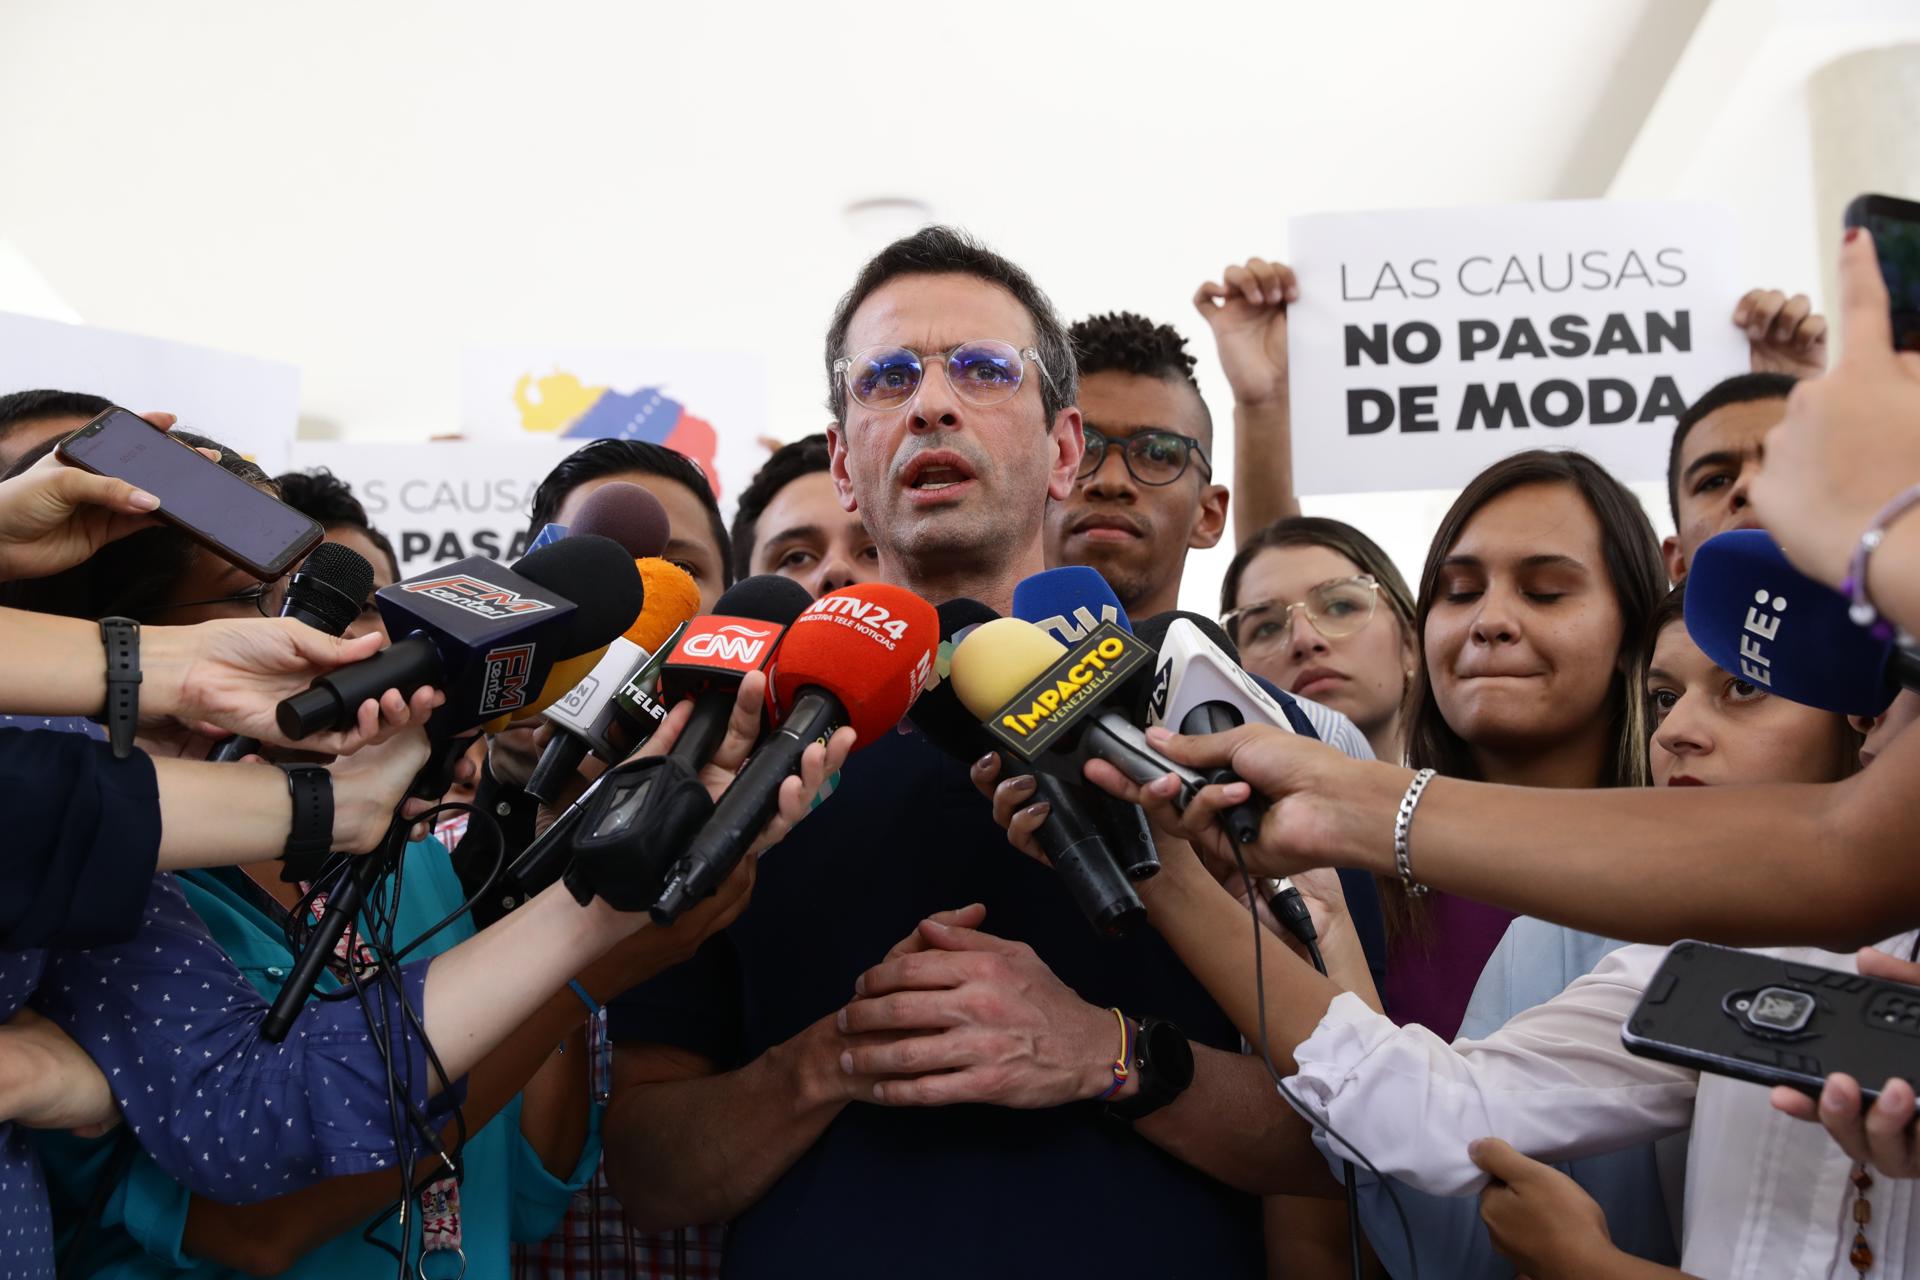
1336 608
264 599
984 371
1153 457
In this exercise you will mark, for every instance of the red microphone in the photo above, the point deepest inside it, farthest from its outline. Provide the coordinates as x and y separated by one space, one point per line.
858 656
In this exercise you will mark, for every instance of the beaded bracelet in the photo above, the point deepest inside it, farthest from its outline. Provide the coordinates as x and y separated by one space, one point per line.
1862 610
1122 1065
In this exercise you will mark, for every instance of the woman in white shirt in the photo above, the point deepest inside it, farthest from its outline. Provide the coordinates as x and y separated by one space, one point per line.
1766 1196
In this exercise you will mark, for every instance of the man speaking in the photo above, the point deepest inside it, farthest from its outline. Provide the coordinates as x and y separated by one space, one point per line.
973 1135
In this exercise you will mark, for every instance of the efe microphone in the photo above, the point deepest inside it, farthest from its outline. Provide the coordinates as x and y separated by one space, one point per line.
326 593
857 656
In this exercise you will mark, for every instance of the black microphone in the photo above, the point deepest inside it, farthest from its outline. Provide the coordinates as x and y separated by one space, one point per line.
1193 649
326 594
1073 836
485 635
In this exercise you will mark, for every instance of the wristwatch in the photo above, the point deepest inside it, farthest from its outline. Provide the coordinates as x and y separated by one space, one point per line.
1162 1063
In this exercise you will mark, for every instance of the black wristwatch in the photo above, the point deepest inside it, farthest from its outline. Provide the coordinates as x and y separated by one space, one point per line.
1162 1063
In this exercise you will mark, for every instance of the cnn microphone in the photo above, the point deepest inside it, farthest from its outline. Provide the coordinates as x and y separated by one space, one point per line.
857 656
1076 843
1759 618
486 635
1068 603
588 718
326 594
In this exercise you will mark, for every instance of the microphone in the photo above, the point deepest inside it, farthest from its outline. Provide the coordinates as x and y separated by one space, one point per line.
1068 603
625 512
1759 618
588 717
488 636
1055 706
1076 843
857 656
326 594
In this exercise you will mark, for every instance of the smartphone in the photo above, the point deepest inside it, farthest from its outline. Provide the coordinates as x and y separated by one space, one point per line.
214 507
1768 1021
1895 226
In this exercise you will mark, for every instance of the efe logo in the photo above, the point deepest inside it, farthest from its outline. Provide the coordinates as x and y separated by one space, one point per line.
476 596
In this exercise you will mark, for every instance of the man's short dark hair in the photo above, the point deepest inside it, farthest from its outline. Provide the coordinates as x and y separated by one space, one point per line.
610 458
321 495
1741 388
933 251
1122 342
789 462
20 408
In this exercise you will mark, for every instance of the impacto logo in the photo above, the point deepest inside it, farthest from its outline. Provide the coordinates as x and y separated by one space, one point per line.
1060 694
475 596
730 642
503 679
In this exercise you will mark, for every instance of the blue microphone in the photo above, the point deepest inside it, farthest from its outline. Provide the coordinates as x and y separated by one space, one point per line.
1759 618
1068 603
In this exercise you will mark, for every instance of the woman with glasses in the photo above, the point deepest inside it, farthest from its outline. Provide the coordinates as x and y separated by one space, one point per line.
1319 609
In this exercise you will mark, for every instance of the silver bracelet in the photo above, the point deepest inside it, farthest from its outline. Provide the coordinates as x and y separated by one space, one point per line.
1402 823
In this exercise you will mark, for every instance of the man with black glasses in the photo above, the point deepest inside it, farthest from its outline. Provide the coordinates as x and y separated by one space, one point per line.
1145 494
983 1129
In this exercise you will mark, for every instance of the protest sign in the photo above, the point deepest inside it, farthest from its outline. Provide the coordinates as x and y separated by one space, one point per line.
709 405
252 405
1428 344
443 500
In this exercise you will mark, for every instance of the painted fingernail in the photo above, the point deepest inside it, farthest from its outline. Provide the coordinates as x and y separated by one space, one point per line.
840 1019
1036 812
879 1093
141 500
1020 785
846 1063
984 762
1853 233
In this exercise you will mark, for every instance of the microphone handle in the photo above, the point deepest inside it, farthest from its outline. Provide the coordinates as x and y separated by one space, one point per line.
229 750
345 903
1904 666
558 763
332 701
541 862
1081 857
747 804
1243 820
1121 744
712 708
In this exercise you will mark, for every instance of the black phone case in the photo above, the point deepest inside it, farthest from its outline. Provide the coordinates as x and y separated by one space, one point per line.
290 556
1689 1016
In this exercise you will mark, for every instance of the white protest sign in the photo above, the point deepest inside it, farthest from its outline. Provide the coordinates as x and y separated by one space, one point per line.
1427 345
443 500
709 405
252 405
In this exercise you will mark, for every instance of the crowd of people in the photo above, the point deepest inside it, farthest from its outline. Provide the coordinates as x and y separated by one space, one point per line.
892 1043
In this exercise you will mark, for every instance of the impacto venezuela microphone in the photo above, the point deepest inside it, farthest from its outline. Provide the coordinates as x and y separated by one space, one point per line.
858 656
1762 620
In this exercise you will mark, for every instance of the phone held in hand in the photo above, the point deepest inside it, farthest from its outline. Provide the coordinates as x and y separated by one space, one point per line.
223 513
1769 1021
1895 227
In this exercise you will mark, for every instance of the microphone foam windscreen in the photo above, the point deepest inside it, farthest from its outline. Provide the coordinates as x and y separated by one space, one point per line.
870 645
765 597
598 576
1068 602
672 597
999 660
626 513
939 712
341 568
1761 620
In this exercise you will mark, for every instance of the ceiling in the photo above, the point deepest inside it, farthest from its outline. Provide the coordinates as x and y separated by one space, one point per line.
363 189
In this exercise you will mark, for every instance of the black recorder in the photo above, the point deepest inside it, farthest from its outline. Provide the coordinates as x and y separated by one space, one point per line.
1769 1021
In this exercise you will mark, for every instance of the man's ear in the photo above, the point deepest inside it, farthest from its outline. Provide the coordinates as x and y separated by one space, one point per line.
837 467
1069 447
1212 521
1675 559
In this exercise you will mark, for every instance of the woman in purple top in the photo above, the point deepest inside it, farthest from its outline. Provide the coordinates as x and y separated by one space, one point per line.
1536 590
